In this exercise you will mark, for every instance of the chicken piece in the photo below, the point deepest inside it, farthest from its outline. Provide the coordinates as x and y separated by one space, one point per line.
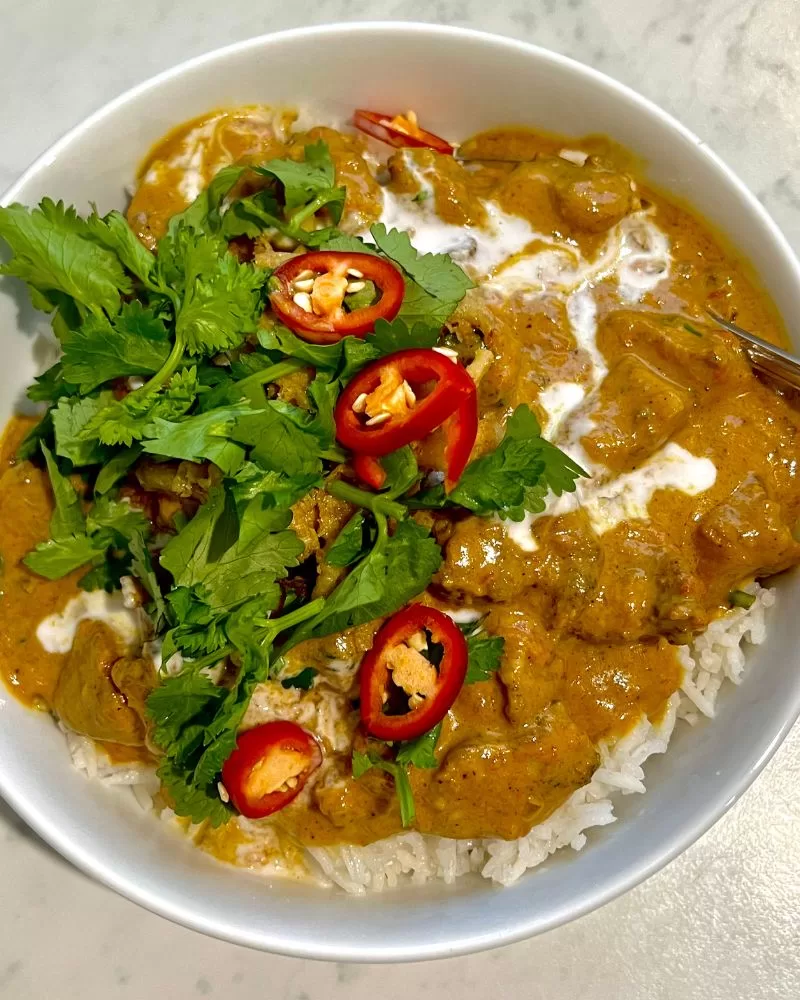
502 787
647 587
526 669
609 686
345 800
638 411
591 197
87 698
456 191
317 518
712 362
481 561
746 536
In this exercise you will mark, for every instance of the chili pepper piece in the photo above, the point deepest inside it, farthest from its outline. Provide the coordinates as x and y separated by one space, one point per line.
398 130
392 662
452 390
369 470
329 326
269 767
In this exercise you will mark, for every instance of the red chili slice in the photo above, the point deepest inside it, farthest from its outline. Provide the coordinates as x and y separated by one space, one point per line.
269 767
403 694
452 399
399 130
334 323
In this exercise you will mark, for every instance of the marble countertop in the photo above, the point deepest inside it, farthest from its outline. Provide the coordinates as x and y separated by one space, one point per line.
720 923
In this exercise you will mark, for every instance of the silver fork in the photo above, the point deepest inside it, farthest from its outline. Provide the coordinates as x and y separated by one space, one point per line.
774 360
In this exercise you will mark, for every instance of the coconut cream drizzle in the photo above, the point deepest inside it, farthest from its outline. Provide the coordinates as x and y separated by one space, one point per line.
508 258
56 632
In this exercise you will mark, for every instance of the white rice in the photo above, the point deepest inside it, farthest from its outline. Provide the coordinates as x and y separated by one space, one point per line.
713 657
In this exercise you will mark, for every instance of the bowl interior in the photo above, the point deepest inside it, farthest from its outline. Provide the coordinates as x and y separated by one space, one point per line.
459 82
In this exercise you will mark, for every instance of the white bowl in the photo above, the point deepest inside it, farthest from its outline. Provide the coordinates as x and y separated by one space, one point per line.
460 82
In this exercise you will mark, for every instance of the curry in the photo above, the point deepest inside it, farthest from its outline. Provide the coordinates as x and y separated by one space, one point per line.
582 306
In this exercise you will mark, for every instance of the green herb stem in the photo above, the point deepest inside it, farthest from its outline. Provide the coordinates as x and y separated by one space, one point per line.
375 503
271 374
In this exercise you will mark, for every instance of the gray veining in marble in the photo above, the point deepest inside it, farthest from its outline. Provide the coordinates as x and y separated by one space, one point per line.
720 923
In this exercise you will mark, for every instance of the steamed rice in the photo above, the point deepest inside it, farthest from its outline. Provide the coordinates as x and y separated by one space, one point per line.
716 655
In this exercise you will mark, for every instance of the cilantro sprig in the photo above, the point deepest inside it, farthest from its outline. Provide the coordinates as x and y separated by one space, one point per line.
515 478
413 753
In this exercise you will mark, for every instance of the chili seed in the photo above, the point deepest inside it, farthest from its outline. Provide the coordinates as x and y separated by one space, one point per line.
417 641
303 299
304 275
223 792
381 418
411 398
355 286
355 273
303 284
447 352
360 403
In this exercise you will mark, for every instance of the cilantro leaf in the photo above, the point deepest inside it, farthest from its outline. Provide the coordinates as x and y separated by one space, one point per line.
67 518
118 517
345 357
397 569
204 214
135 342
76 540
142 569
349 544
251 567
208 534
401 470
282 438
485 652
189 799
516 475
70 419
54 252
220 297
51 385
421 751
202 436
123 421
436 273
275 488
58 557
310 181
115 468
230 560
113 232
390 337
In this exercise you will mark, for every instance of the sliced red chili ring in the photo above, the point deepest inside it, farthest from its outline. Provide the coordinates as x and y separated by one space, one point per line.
334 322
403 692
399 130
269 767
452 398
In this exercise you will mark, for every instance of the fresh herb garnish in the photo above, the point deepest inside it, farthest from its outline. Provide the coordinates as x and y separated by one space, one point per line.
485 652
514 478
415 753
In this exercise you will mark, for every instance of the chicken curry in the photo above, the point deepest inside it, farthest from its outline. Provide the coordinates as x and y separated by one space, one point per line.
624 475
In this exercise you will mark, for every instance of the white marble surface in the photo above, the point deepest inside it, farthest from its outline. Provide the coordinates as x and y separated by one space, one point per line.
721 922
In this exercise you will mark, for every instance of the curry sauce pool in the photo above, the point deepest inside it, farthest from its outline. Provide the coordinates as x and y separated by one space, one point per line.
546 443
